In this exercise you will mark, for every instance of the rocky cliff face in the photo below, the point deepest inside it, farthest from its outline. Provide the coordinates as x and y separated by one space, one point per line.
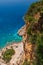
35 19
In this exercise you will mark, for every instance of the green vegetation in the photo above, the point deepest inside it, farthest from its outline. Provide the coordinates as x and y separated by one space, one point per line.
34 9
8 54
40 55
40 51
35 30
26 63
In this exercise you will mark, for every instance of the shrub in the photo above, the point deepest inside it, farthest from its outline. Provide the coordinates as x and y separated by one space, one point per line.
8 54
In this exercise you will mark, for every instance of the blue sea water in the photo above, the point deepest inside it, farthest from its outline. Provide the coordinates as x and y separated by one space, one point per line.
11 19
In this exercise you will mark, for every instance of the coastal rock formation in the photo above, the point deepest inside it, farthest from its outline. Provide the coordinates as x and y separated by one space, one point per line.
22 30
34 34
31 47
17 58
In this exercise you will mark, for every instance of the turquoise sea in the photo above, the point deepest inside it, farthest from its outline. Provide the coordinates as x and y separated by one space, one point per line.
11 19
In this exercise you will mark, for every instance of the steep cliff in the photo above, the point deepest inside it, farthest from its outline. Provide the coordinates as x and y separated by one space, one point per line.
34 34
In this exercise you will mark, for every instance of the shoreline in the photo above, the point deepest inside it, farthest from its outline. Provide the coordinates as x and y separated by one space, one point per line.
13 44
10 43
19 33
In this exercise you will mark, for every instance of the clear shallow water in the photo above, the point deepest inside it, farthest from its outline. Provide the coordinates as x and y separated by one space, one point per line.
11 19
